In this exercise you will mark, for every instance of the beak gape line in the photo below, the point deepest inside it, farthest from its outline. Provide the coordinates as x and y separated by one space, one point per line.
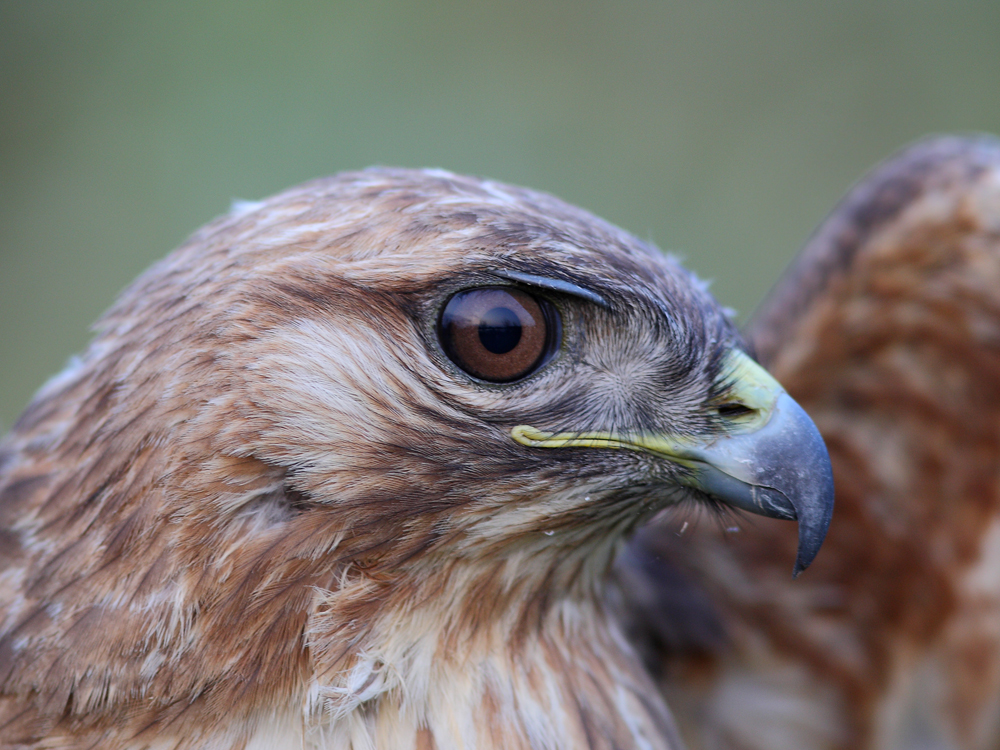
772 461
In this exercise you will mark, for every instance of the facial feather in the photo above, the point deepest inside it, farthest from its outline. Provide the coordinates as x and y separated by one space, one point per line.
264 502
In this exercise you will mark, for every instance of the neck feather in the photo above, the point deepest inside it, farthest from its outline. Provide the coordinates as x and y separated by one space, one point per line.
519 667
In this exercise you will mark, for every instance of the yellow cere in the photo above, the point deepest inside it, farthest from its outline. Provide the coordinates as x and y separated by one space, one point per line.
753 387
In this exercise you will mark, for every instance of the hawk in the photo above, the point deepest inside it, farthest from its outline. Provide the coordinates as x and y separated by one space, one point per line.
887 330
347 470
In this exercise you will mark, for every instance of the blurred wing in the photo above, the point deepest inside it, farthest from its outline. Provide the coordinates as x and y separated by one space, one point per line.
886 329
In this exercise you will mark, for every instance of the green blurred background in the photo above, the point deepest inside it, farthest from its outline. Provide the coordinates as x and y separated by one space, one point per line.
722 131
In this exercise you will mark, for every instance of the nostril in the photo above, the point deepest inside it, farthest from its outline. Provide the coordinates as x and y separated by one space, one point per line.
735 410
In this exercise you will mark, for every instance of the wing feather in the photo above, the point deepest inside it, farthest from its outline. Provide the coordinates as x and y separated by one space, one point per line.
886 328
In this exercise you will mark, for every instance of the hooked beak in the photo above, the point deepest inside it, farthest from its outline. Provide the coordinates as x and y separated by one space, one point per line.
770 459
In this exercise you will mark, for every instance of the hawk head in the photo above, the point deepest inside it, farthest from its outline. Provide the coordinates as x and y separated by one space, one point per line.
365 446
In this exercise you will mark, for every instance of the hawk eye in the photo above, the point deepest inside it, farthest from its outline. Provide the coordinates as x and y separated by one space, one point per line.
499 334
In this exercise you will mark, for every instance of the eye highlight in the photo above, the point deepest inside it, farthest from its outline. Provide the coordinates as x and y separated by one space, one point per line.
499 334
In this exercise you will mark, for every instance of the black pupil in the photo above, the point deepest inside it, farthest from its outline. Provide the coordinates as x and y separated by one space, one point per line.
500 330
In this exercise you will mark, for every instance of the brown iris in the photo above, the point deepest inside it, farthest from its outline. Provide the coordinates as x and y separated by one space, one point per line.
498 333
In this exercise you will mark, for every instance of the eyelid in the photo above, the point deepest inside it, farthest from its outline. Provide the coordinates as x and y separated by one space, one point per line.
555 285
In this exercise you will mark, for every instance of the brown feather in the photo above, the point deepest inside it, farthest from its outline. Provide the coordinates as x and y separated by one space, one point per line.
887 330
263 509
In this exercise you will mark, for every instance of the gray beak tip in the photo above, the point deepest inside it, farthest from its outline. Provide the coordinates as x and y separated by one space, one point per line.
813 500
814 518
781 470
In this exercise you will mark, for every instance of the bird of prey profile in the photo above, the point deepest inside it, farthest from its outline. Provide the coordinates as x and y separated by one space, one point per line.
887 331
347 470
